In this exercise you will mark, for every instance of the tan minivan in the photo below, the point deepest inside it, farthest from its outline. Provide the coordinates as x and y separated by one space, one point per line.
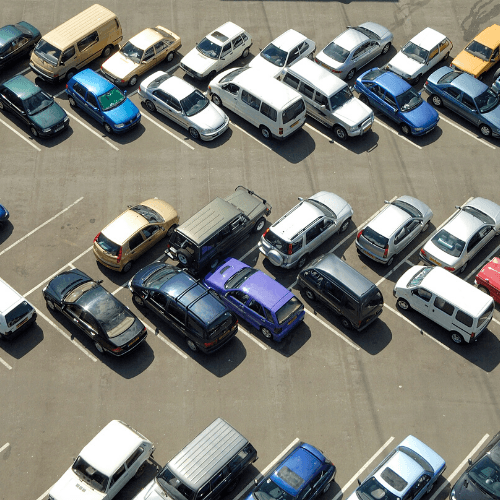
65 50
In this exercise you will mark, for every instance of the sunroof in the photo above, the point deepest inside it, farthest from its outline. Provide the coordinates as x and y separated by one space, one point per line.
393 479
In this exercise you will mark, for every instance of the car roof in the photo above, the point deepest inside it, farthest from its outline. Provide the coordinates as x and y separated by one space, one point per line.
491 272
463 225
22 87
389 220
350 39
124 226
146 38
468 84
93 82
392 83
8 33
265 289
177 87
403 466
228 29
490 37
428 38
324 81
288 40
298 218
8 297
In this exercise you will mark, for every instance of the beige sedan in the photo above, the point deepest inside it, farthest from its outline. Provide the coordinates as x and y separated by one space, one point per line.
134 232
140 54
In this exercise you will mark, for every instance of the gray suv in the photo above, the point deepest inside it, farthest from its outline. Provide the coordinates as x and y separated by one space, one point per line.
289 241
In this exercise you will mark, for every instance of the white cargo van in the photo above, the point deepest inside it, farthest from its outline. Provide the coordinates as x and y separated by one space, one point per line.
447 300
16 313
273 107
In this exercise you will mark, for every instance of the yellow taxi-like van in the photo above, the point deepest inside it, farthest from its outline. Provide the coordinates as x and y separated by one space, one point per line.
65 50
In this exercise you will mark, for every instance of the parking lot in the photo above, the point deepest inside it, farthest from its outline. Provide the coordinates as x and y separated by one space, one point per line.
353 395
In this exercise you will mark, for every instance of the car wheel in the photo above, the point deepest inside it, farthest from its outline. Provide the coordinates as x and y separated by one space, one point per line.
106 52
446 55
350 74
390 261
405 129
266 332
310 294
214 264
483 289
266 133
485 130
497 74
184 257
345 323
150 106
403 304
386 48
192 345
216 100
72 102
211 75
132 81
140 470
231 486
457 338
70 74
34 131
326 488
170 56
245 53
107 128
194 133
430 488
137 300
302 261
364 99
463 268
345 225
340 132
416 79
99 347
127 267
1 105
436 100
424 229
259 226
51 305
171 229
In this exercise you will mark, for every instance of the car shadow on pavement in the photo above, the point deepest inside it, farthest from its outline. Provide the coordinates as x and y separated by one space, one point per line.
23 342
6 229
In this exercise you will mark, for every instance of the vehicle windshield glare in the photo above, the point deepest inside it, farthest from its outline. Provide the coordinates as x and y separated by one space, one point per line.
479 50
449 77
132 52
194 103
209 48
91 476
484 475
373 490
336 52
340 98
409 209
37 102
409 100
419 277
448 243
487 101
47 52
269 490
159 277
415 52
238 278
111 99
370 34
289 310
148 213
274 55
232 75
479 215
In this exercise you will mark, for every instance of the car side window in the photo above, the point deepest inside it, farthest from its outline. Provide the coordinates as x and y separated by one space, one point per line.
176 311
304 47
117 475
313 232
306 90
239 296
293 55
130 461
321 99
464 318
149 54
494 55
135 241
389 99
92 100
256 307
251 100
453 92
423 294
291 80
412 225
160 46
159 299
86 42
68 54
271 113
204 491
74 310
15 100
226 49
195 327
159 94
231 88
89 320
80 89
268 314
332 291
433 53
468 102
400 236
150 230
360 50
237 41
444 306
444 45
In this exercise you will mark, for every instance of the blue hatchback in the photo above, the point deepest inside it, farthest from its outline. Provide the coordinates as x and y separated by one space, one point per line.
103 101
396 98
304 473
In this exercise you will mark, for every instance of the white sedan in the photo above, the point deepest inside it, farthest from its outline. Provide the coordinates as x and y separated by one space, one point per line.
184 104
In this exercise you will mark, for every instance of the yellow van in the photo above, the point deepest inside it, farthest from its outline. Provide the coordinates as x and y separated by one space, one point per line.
65 50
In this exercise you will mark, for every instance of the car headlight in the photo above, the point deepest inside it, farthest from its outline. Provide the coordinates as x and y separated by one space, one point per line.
138 115
45 130
119 125
452 494
66 119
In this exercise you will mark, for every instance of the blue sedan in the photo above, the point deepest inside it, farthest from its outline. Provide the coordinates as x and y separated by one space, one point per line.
394 97
468 97
103 101
409 471
4 215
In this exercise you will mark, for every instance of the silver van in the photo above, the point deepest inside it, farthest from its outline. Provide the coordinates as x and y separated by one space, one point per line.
206 468
328 99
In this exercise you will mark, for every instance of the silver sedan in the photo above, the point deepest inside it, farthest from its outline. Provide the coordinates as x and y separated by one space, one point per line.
184 104
354 48
468 231
398 223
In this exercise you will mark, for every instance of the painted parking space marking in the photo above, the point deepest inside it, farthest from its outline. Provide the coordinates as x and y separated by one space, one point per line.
44 495
326 137
250 135
252 337
465 131
4 447
390 129
73 117
21 136
449 479
360 471
182 141
41 225
4 363
156 333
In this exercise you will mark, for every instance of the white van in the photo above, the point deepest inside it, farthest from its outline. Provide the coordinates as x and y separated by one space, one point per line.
447 300
328 99
274 108
16 313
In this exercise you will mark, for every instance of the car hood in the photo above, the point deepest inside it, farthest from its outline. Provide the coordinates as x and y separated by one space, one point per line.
210 118
66 281
472 492
422 116
199 63
491 273
49 117
265 67
469 63
353 112
120 66
404 65
335 203
125 112
69 487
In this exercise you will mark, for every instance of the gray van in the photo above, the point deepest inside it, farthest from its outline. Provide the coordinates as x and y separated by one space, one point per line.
206 468
341 288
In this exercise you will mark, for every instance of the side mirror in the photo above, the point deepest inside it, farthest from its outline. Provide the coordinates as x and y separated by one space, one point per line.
255 481
124 92
300 198
458 207
470 461
387 202
99 281
359 482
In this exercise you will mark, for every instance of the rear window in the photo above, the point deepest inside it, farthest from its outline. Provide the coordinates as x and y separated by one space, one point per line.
372 302
107 245
485 315
289 309
336 52
293 111
375 238
448 243
17 314
464 318
222 323
449 77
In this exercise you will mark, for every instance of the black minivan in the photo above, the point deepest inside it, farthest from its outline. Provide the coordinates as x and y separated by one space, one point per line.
341 288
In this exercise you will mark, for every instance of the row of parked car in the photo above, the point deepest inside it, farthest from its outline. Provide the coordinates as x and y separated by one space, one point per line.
316 89
211 465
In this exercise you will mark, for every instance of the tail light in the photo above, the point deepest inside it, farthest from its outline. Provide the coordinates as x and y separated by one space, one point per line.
66 85
97 236
472 335
119 258
386 250
426 82
210 88
265 232
423 252
289 249
451 269
208 344
359 235
280 131
117 349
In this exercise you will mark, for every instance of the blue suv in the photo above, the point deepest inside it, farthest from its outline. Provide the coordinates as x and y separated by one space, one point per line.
303 474
103 101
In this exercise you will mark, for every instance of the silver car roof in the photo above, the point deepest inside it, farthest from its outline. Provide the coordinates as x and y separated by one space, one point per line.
387 222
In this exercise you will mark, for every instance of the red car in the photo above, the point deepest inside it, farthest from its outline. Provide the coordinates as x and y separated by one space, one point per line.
488 279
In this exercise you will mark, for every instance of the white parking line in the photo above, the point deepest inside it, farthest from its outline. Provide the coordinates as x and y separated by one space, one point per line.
73 117
396 133
60 93
251 337
326 137
360 471
20 135
65 334
397 313
182 141
269 467
4 363
466 131
24 71
6 445
449 479
496 321
156 333
41 225
41 497
249 135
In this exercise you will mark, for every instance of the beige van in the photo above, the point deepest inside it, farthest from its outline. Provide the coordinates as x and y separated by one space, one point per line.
65 50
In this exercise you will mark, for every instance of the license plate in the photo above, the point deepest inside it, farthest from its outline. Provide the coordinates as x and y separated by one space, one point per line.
293 124
325 66
58 128
133 341
367 128
292 320
434 261
22 323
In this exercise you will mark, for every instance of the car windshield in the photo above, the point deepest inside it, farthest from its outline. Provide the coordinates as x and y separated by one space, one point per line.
16 314
269 490
148 213
415 52
373 490
479 50
89 475
209 48
166 479
419 277
479 215
238 278
231 76
449 77
326 210
159 277
111 99
37 102
47 52
409 100
132 52
289 310
448 243
370 34
375 238
487 101
194 103
340 98
409 209
113 317
336 52
486 475
274 55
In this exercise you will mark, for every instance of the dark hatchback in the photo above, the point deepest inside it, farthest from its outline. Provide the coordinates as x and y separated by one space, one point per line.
481 480
33 106
185 304
16 41
110 324
4 215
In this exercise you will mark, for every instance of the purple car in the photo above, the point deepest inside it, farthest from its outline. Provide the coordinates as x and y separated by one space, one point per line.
257 298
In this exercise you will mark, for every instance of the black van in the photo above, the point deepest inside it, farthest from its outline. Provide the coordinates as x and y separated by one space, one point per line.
348 293
206 468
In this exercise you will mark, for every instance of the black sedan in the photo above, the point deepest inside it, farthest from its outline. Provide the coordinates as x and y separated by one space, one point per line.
111 325
17 40
481 480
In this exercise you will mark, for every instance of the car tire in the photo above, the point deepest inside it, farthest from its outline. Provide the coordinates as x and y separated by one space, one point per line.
483 289
214 264
211 75
72 102
405 128
245 53
416 79
457 338
194 133
390 261
497 74
345 323
424 229
259 226
485 130
340 133
216 100
364 99
310 294
170 56
231 486
192 345
266 133
150 106
34 131
50 305
137 300
106 52
345 225
350 74
326 488
184 257
302 261
127 267
463 268
403 304
267 333
107 128
99 347
386 48
1 105
140 470
70 74
436 100
132 81
171 229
